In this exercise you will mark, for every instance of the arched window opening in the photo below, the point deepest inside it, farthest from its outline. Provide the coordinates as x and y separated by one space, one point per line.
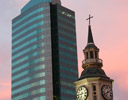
94 93
91 54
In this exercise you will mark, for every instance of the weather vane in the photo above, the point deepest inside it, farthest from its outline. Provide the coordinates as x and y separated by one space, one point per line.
89 19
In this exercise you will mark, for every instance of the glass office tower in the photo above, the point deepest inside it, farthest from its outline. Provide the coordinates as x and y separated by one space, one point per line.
44 53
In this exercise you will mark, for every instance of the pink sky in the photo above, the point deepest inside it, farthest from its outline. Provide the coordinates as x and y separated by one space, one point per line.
110 33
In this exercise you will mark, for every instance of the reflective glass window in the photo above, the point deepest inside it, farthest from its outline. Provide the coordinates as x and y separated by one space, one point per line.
67 47
24 95
67 33
65 20
66 91
22 67
27 43
68 62
66 40
28 29
66 14
68 69
28 50
28 22
67 76
31 62
28 15
21 74
66 84
40 98
71 29
27 57
67 54
42 74
27 36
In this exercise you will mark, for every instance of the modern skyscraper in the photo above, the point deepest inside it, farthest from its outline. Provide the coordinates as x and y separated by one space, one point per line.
44 52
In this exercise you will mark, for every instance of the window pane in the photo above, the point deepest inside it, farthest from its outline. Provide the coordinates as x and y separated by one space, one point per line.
91 54
94 88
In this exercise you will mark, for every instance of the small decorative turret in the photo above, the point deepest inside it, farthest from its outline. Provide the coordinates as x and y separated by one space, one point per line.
91 52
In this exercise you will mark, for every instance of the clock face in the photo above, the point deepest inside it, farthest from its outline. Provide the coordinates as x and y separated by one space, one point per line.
107 92
82 93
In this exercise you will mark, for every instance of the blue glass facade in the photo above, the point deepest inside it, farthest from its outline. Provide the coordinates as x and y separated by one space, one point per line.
31 54
64 53
44 54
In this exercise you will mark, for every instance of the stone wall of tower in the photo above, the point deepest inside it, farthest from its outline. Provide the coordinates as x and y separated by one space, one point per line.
95 81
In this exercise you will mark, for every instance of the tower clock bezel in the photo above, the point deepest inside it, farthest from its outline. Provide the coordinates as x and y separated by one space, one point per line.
103 95
86 90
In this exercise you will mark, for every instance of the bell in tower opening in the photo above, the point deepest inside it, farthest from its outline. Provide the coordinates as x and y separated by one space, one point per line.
93 83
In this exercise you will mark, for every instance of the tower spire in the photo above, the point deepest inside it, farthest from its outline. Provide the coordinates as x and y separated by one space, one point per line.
90 37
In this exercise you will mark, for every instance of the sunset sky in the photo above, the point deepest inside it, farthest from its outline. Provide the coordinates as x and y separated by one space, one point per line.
110 32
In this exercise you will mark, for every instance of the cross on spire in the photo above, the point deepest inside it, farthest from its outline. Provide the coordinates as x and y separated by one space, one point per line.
89 19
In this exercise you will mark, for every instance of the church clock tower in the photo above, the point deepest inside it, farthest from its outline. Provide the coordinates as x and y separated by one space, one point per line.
93 83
